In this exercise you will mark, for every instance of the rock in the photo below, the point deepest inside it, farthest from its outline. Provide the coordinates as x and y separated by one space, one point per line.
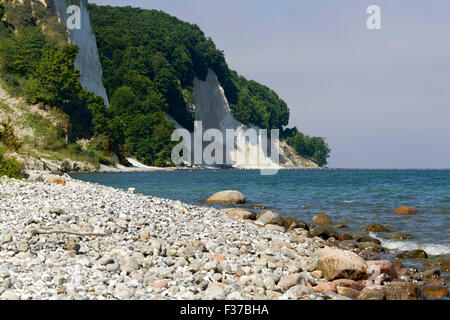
344 291
375 227
347 283
199 245
371 294
218 257
215 291
289 281
397 265
381 266
159 284
317 274
274 227
144 235
345 236
9 295
435 291
291 224
322 220
335 264
123 292
280 244
72 246
431 273
367 239
325 287
270 217
404 210
400 236
402 291
324 233
56 180
297 238
226 197
413 254
240 214
128 264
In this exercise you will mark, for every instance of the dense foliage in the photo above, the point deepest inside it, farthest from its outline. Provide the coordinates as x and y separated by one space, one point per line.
150 60
40 66
151 51
315 148
9 166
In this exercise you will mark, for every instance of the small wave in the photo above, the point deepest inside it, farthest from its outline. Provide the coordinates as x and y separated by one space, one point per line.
431 249
349 201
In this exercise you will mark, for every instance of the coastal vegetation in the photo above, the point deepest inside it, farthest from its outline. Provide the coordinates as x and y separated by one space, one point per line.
150 60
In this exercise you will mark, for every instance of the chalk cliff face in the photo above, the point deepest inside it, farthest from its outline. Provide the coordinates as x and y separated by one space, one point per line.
87 60
213 110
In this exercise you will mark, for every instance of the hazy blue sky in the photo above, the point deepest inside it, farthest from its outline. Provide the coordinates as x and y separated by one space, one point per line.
381 98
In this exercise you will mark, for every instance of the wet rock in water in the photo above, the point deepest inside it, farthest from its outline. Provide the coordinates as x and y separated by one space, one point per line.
402 291
375 227
381 266
226 197
435 291
324 233
366 239
413 254
370 246
405 210
322 220
292 224
431 273
337 264
340 226
345 236
270 217
400 236
240 214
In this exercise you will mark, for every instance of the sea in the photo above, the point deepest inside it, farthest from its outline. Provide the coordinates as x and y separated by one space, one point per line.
354 198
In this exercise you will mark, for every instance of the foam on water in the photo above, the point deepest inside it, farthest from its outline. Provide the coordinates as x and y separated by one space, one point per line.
430 249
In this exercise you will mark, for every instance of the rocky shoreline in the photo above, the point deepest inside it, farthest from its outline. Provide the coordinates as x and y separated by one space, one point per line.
68 239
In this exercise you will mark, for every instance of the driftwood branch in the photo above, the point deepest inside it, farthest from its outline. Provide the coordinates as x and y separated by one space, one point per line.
70 232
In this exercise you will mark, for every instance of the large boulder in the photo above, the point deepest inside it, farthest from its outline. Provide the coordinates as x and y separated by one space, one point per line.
375 227
226 197
341 264
270 217
322 220
405 210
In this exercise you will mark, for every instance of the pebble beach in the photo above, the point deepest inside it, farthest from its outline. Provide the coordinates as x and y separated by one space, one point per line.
65 239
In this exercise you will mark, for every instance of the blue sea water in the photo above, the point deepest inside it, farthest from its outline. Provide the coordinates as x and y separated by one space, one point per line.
358 196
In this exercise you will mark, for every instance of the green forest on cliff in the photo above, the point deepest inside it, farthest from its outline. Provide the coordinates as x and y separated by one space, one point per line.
149 61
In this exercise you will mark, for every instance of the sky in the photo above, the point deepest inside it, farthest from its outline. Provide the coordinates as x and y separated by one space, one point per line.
381 98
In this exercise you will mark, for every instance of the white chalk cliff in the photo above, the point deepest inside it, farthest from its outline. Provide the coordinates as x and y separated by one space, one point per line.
87 60
212 109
